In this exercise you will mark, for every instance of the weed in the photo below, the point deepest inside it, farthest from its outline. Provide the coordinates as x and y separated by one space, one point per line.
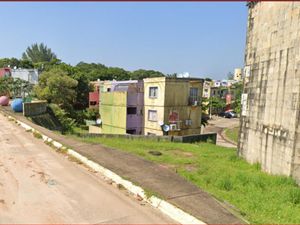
257 166
294 196
62 150
37 135
74 159
225 183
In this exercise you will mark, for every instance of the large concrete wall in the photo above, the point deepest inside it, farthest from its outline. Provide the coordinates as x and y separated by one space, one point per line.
270 132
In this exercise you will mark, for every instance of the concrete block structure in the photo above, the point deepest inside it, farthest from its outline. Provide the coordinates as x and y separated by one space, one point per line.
121 107
175 102
270 117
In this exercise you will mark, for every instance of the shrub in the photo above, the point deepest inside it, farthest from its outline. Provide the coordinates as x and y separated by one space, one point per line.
225 183
66 122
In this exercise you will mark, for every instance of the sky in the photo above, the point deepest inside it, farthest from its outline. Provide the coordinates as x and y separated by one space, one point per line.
206 39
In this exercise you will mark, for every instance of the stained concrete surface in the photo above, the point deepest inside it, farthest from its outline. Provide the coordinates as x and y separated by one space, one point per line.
38 185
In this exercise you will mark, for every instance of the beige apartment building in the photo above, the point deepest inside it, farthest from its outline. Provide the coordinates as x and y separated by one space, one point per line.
174 103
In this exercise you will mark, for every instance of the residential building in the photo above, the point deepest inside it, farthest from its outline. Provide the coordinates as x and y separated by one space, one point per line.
206 89
94 96
30 75
175 102
5 72
121 107
270 117
237 76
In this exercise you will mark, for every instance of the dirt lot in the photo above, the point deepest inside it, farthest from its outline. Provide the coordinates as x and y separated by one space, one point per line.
38 185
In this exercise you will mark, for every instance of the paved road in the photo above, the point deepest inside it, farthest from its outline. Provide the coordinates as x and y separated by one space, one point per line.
38 185
218 124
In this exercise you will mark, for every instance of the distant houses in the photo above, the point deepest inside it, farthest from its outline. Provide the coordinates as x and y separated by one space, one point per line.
121 107
30 75
153 106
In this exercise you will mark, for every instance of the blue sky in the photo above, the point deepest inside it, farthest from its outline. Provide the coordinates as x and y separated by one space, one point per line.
202 38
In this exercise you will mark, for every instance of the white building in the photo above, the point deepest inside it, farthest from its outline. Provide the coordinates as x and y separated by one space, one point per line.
31 75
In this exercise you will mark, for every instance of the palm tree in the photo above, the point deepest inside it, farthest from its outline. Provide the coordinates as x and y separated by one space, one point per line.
39 53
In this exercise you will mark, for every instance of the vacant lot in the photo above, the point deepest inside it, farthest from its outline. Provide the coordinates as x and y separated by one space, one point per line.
261 198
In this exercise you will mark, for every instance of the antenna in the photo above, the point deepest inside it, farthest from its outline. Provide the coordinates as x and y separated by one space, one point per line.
165 128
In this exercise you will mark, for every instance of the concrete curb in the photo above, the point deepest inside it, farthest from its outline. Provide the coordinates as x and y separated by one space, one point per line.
165 207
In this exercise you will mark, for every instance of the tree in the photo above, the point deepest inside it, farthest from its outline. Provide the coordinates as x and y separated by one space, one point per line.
230 76
82 90
141 74
57 87
37 53
238 94
15 87
217 105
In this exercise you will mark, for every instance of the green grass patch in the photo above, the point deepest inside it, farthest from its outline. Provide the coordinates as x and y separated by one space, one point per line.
232 134
37 135
260 197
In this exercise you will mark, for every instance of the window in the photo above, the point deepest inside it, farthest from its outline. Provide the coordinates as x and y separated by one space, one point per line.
193 99
153 92
131 110
152 115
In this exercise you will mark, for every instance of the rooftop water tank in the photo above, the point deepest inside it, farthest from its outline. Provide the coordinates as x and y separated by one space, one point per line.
4 100
17 105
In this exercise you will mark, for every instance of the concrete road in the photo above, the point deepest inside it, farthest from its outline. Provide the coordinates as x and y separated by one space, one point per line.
38 185
218 124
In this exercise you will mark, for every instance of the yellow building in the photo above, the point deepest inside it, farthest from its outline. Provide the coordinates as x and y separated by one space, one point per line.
175 102
238 76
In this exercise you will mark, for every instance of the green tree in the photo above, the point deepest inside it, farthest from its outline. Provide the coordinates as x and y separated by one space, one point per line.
37 53
238 95
82 90
217 105
57 87
141 74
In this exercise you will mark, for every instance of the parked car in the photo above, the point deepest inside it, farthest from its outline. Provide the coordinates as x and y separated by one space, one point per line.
230 114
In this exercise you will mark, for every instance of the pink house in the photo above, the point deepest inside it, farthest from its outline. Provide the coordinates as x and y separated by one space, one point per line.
94 96
5 72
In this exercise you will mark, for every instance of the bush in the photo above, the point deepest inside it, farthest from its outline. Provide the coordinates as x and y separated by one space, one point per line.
66 122
92 114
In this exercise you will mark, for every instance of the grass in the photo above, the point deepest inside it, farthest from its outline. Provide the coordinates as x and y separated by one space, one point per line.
232 134
260 198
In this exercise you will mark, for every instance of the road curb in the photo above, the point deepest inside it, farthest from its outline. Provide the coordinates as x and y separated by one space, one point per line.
165 207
